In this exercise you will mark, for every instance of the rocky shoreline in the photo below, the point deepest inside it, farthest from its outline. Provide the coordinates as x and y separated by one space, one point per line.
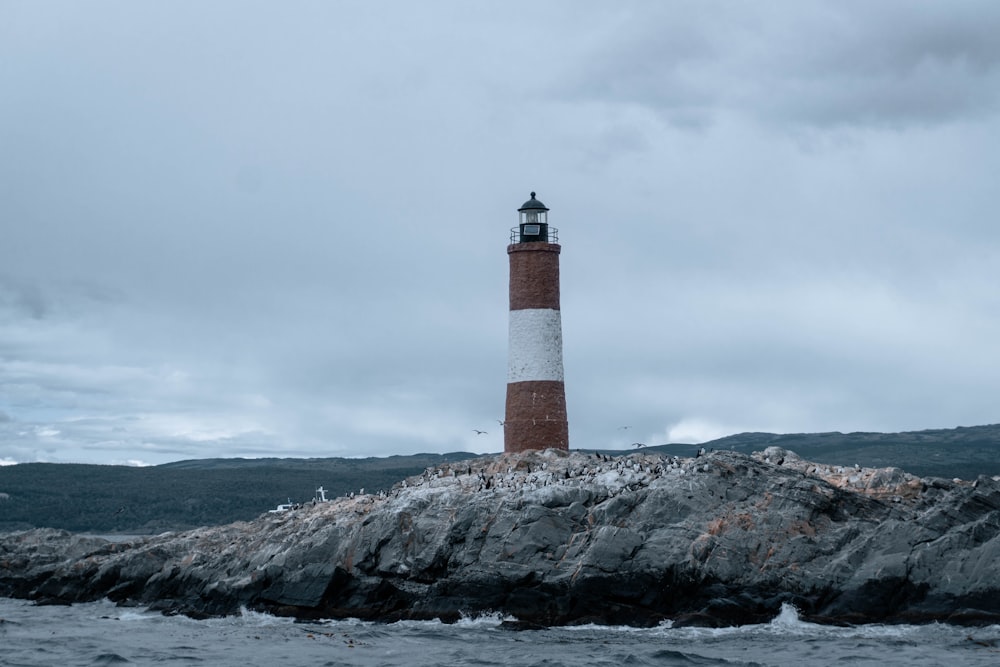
556 538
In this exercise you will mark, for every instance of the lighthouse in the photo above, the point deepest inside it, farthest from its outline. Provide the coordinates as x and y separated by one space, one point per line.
536 396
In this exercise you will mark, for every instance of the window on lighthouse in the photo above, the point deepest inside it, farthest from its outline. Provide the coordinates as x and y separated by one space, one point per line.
532 230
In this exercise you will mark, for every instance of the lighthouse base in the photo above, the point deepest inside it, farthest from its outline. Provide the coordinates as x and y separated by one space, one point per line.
535 416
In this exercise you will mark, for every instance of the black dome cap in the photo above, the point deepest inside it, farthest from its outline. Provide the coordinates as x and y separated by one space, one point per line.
533 204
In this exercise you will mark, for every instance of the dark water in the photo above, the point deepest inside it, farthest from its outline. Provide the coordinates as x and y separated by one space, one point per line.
102 634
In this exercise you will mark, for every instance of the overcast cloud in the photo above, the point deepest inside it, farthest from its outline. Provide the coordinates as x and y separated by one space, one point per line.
280 229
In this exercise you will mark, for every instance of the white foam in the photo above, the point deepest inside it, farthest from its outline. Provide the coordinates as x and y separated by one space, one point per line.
139 615
788 620
484 620
259 618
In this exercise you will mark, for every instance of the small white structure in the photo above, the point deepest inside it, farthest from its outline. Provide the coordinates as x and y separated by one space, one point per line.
282 508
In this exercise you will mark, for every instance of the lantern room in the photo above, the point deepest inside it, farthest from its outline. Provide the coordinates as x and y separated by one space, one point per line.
533 224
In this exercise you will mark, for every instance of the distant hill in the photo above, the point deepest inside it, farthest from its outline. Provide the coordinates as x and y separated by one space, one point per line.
187 494
964 452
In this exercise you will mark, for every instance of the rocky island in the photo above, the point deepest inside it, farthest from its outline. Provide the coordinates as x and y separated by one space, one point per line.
554 537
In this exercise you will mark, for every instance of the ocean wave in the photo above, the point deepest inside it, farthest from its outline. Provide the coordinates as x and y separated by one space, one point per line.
253 618
489 619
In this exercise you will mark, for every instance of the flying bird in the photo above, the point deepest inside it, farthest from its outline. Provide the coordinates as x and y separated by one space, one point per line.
478 432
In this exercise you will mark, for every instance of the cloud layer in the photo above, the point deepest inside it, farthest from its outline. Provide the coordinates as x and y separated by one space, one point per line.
240 229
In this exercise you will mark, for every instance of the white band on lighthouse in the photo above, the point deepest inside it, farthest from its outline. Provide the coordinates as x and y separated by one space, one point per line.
535 345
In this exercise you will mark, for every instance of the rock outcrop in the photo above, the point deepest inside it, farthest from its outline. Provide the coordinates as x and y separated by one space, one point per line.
555 538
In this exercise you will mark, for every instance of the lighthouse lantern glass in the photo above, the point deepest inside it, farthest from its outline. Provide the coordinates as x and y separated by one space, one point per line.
534 217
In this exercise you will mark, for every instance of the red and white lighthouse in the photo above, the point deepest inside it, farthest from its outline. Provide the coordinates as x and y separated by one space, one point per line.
536 395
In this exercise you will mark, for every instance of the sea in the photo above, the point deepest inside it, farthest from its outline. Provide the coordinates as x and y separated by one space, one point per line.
100 633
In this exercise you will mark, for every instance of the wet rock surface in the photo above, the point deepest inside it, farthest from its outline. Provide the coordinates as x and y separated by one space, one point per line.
556 538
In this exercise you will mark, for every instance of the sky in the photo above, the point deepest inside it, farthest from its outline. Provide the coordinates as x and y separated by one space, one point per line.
248 229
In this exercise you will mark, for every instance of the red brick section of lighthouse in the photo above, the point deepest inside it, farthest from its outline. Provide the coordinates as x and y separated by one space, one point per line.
536 395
